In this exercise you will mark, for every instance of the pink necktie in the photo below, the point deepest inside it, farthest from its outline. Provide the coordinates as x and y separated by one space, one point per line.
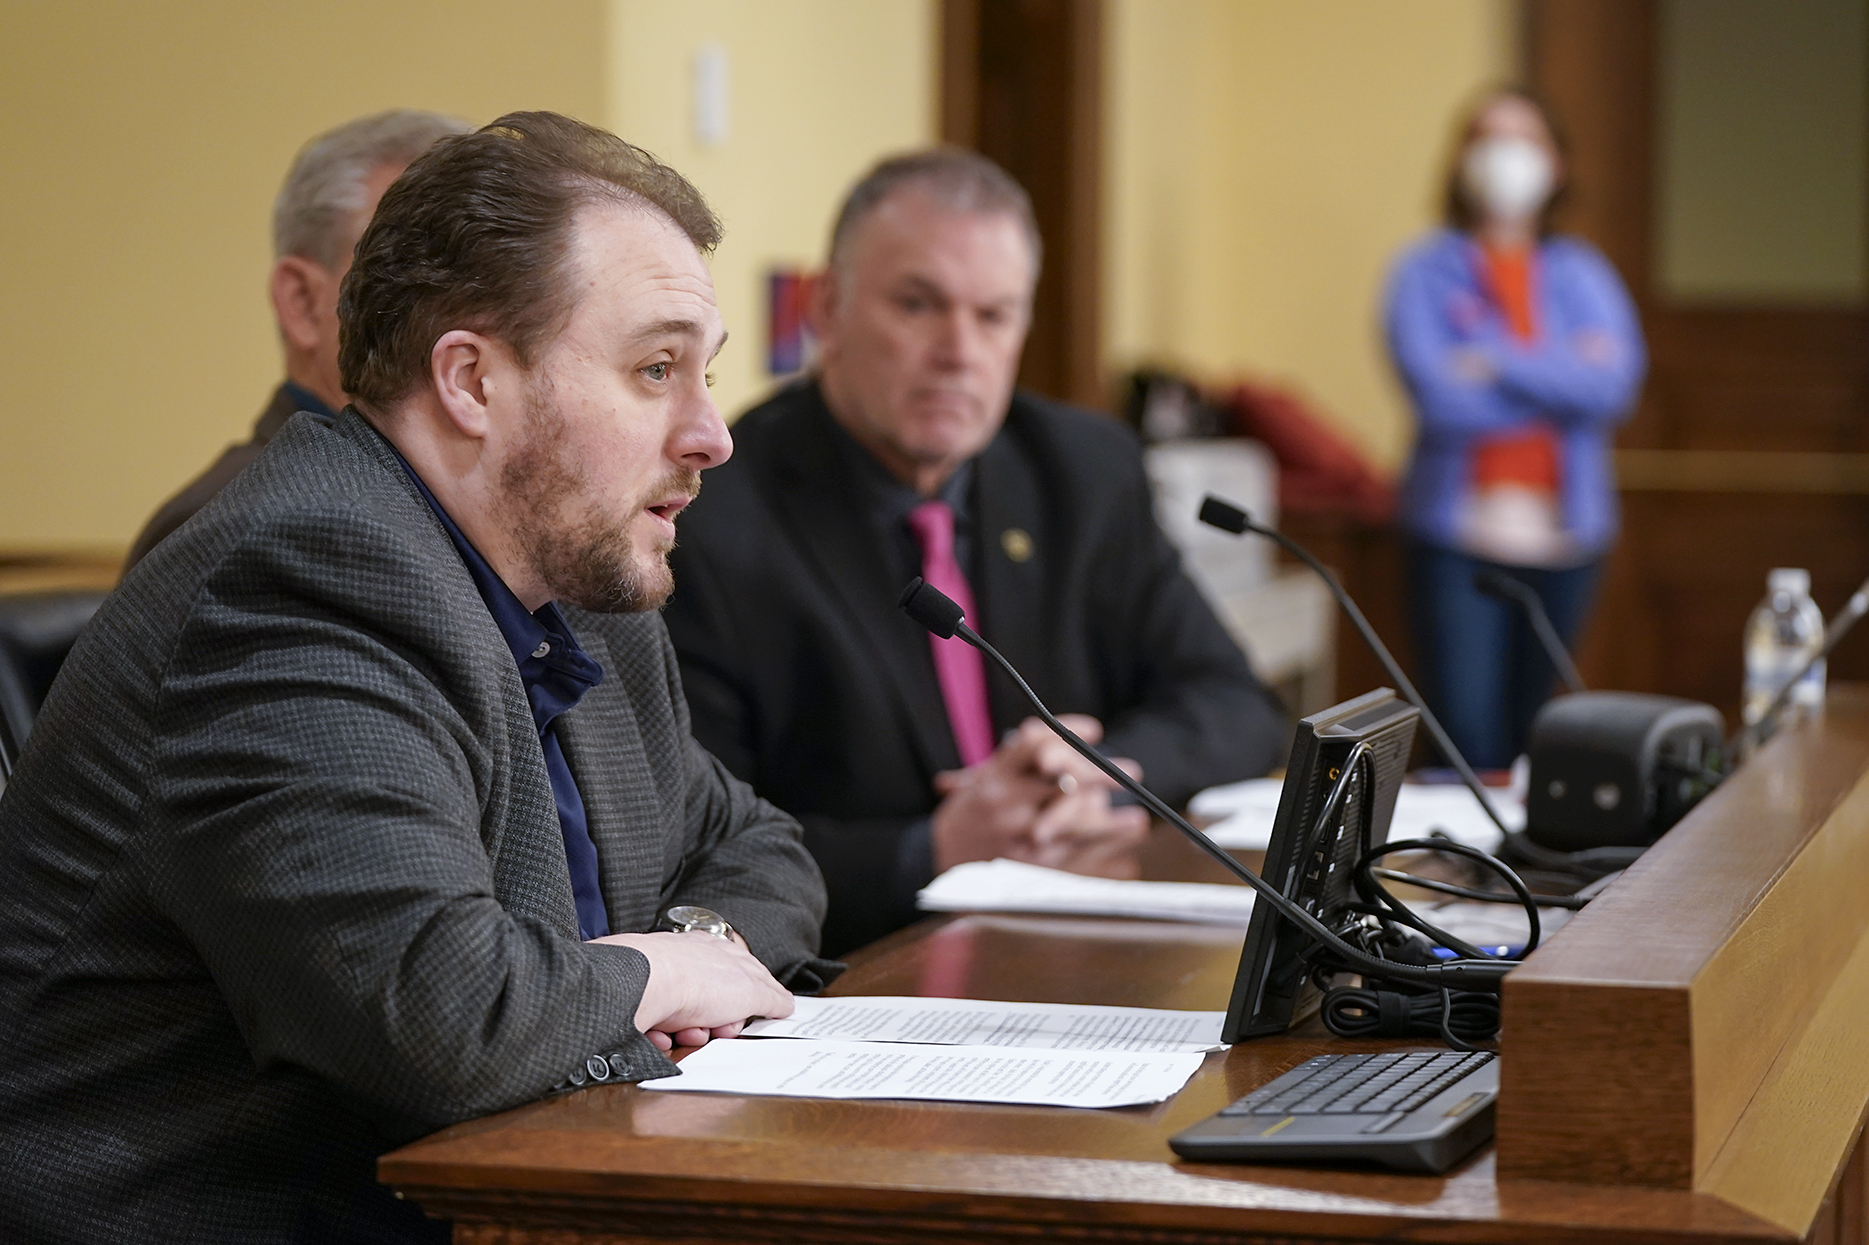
958 665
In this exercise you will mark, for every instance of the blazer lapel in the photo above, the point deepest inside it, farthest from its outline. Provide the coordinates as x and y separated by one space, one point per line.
819 509
519 829
1011 562
623 807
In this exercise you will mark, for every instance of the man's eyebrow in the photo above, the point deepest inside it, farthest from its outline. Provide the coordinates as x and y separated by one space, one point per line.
667 328
718 347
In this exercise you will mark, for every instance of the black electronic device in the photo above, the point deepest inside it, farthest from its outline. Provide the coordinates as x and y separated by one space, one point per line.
1346 768
1413 1110
940 615
1617 769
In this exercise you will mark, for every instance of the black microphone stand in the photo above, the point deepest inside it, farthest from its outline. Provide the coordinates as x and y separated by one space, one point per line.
1503 586
931 608
1230 518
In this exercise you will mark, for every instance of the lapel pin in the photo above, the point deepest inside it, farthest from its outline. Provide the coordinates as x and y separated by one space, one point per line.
1017 543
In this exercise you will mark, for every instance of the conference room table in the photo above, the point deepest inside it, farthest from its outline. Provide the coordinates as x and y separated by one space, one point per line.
1686 1153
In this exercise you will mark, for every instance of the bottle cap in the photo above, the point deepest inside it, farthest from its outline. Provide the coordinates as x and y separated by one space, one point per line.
1793 579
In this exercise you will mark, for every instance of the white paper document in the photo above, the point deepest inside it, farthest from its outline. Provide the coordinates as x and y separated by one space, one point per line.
1005 1026
1013 886
1245 810
1047 1078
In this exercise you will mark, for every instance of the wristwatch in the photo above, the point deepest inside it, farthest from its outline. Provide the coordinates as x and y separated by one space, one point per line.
690 919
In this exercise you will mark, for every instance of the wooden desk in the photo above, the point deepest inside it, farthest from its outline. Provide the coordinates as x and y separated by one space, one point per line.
616 1164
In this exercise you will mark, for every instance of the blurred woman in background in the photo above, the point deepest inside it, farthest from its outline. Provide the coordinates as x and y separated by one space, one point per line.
1521 353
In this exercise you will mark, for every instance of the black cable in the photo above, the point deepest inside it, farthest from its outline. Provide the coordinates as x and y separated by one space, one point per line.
1375 892
1564 868
1447 1019
1467 892
1457 1017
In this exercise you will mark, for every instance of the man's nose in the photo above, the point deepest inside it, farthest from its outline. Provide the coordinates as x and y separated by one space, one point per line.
700 438
958 342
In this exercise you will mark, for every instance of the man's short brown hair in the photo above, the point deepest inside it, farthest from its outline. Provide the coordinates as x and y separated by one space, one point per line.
474 236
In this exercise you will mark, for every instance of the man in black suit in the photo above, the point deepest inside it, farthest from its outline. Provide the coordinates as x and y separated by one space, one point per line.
909 453
351 813
327 199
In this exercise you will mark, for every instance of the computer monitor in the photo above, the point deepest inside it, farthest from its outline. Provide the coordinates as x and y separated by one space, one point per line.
1314 848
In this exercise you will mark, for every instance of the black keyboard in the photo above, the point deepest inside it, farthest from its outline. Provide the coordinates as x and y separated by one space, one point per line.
1417 1110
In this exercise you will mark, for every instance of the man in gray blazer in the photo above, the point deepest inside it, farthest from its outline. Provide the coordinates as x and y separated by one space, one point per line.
349 815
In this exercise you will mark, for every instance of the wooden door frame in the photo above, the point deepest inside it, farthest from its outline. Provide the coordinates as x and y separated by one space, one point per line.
1022 83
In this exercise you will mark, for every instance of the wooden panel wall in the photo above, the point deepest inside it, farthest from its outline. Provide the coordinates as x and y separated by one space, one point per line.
1706 511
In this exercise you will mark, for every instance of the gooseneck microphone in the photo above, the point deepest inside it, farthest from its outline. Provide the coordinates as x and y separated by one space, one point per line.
1503 586
1230 518
934 610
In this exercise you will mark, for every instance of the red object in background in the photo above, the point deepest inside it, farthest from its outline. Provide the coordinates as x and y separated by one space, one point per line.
1318 471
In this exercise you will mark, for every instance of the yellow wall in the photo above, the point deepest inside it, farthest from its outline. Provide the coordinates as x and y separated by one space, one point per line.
1265 161
818 89
146 142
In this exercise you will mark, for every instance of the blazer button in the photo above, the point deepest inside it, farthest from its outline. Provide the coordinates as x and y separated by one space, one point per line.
618 1065
598 1067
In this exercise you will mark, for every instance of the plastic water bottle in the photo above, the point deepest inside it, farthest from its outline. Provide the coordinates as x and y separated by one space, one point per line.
1784 632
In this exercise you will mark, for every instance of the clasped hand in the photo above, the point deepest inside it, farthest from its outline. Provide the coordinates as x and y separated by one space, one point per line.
1037 800
701 987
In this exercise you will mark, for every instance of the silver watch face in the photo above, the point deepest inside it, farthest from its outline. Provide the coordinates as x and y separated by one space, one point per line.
691 919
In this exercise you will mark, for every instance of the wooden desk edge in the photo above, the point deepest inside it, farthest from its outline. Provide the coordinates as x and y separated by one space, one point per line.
640 1206
1765 886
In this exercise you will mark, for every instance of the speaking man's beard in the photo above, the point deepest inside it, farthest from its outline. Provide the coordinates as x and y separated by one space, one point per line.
585 555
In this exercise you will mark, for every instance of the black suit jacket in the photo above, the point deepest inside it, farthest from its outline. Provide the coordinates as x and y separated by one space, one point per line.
281 876
808 682
199 491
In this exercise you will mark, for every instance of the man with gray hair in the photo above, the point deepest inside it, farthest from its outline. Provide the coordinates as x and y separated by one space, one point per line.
328 197
909 453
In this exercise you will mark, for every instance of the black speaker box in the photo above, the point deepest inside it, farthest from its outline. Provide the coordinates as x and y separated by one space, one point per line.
1616 769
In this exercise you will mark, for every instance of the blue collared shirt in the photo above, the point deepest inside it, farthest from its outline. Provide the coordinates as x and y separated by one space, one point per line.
556 674
304 399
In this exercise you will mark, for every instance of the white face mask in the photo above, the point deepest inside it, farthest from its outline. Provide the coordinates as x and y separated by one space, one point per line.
1507 178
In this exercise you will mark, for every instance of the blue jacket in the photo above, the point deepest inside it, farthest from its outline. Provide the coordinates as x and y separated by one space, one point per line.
1437 306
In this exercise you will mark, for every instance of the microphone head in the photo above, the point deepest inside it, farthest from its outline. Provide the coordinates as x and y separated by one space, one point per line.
930 607
1226 517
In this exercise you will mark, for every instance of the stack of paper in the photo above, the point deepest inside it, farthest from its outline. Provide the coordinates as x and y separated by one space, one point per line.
981 1022
958 1050
1242 813
1012 886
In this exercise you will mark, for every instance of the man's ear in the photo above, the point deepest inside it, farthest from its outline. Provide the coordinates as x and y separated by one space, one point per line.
821 303
459 367
297 286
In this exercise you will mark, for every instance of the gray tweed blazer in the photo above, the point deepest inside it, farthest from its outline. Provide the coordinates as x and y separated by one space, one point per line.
281 878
